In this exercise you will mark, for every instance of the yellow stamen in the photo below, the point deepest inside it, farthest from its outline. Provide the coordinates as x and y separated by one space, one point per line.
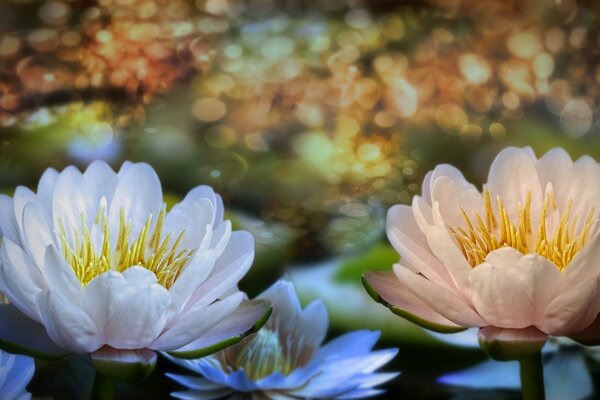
484 235
149 250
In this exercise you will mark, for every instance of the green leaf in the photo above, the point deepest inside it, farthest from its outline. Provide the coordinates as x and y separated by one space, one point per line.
381 257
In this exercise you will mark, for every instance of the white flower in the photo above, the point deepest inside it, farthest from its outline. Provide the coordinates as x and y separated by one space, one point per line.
15 374
93 263
285 358
519 260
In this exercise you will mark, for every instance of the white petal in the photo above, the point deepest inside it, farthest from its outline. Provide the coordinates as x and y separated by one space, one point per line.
8 222
448 304
45 189
137 195
101 180
245 320
220 238
36 232
21 198
68 325
60 276
194 217
196 272
228 270
137 320
72 201
20 280
102 295
139 277
196 322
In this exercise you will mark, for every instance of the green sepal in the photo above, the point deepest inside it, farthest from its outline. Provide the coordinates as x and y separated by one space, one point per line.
501 349
423 323
206 351
122 371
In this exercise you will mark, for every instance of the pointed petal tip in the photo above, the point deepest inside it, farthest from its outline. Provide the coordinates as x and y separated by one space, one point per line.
423 323
203 351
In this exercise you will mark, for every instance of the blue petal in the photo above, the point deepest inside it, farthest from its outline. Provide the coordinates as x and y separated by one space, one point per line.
18 377
239 381
468 338
194 382
566 375
197 395
487 375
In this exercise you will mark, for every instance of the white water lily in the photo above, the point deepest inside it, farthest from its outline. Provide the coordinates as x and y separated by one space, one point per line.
15 374
520 259
285 360
94 263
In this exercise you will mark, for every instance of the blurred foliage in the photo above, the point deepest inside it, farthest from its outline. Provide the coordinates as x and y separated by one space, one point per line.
378 258
310 118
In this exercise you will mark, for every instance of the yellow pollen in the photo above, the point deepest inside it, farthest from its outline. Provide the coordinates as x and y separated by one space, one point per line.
495 230
149 250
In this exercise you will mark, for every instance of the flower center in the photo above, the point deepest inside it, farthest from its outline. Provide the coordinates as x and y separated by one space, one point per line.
149 250
484 235
263 356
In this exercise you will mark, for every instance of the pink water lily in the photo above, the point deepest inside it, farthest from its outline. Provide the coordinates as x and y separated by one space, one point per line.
519 259
94 263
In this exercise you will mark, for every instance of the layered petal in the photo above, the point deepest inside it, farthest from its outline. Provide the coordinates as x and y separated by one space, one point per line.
386 289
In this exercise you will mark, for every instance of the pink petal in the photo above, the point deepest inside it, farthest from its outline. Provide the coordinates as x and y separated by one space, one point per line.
408 239
443 301
501 299
395 295
573 310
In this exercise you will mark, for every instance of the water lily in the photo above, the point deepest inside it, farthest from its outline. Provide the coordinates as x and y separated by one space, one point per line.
519 259
286 359
94 263
15 374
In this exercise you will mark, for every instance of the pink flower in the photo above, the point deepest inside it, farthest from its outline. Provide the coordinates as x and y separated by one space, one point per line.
520 259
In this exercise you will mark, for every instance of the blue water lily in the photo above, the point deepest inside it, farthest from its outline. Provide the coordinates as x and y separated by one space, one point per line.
15 374
286 360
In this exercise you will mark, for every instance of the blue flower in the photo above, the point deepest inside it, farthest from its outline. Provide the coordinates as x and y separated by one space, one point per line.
15 374
285 358
566 375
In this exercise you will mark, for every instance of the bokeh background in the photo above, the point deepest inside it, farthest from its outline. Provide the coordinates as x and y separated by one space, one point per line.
310 118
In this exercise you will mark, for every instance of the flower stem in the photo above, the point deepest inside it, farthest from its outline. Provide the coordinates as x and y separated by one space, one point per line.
532 377
103 388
